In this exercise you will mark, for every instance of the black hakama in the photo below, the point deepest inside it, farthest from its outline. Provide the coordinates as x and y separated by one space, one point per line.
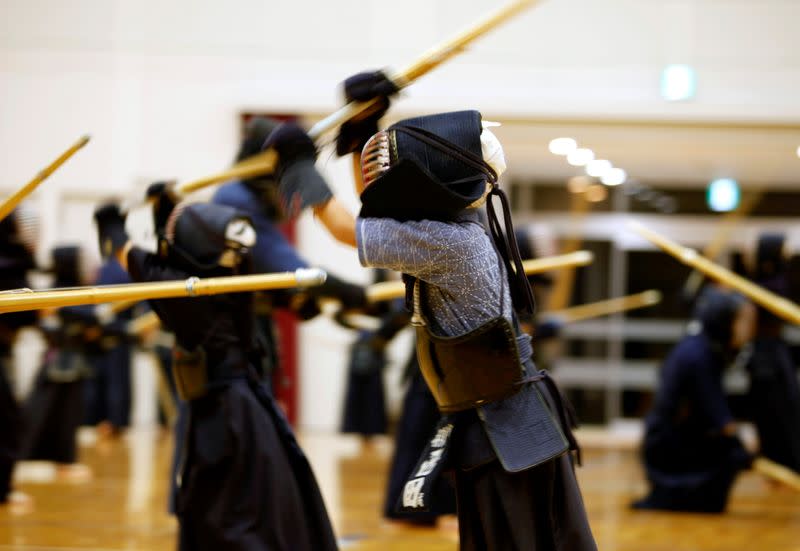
365 400
108 391
536 509
245 484
54 409
10 421
775 401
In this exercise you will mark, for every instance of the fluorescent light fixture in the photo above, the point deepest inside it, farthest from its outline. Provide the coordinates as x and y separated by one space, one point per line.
562 146
678 83
580 156
798 150
614 177
722 195
598 168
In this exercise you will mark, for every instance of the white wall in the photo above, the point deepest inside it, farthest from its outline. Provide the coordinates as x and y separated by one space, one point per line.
160 84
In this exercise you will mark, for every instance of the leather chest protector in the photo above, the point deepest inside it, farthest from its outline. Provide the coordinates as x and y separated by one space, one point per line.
469 370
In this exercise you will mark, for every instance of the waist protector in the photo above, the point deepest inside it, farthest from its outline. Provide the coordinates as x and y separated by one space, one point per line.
476 368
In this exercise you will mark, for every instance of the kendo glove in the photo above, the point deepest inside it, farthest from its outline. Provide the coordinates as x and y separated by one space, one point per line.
365 86
110 229
163 197
299 183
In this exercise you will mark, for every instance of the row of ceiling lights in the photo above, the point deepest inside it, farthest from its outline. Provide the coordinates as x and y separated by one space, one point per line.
602 169
608 174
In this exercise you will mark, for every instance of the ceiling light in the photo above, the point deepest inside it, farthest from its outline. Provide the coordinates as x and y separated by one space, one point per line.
580 156
562 146
678 82
723 195
614 177
598 168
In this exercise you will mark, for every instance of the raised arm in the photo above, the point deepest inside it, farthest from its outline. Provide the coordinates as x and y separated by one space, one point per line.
339 222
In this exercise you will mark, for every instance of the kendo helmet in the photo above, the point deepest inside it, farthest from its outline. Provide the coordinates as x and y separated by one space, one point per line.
770 260
434 168
428 167
714 315
206 236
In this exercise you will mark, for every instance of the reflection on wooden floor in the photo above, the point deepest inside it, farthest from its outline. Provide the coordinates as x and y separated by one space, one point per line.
124 505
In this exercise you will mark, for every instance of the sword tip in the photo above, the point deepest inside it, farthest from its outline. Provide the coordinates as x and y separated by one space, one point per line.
584 257
310 277
652 297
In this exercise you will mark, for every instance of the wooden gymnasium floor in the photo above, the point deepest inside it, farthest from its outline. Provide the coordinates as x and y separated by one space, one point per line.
123 506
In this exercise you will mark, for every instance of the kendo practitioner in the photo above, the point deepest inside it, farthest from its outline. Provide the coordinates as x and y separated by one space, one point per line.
17 241
773 396
506 434
364 410
691 452
108 390
55 407
258 198
420 413
243 482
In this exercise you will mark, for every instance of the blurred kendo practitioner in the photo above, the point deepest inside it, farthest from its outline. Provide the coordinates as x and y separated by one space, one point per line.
364 410
55 407
774 397
18 234
243 482
108 390
424 179
258 197
691 452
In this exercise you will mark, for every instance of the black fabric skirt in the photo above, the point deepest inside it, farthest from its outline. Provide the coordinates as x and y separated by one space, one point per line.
687 473
415 428
245 483
365 404
774 400
538 509
53 414
108 391
9 433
